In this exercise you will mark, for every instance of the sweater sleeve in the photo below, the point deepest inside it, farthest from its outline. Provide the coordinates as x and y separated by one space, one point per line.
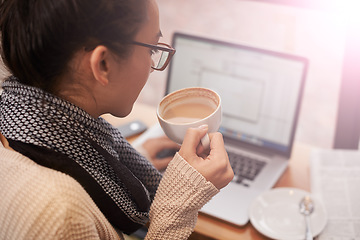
181 193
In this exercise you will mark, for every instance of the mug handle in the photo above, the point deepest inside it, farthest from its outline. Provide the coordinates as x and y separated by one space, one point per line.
205 141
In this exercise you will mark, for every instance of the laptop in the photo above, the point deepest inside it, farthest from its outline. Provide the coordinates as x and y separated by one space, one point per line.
261 92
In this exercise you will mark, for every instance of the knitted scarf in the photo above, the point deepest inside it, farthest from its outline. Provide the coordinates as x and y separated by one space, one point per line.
57 134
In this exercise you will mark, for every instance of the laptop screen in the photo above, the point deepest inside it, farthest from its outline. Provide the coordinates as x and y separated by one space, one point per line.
260 90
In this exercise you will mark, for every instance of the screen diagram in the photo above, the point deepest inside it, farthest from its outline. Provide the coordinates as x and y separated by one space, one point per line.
259 91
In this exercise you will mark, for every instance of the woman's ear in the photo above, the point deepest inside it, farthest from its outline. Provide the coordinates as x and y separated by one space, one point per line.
99 63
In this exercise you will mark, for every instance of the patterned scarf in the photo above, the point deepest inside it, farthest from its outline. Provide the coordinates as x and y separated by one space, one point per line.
122 182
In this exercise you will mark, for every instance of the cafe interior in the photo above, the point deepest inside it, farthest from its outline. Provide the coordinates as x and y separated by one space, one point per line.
327 33
325 161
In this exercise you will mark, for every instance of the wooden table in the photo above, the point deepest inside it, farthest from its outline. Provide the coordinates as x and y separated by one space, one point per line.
297 175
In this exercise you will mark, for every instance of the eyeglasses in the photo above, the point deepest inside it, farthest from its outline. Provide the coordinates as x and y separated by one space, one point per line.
161 54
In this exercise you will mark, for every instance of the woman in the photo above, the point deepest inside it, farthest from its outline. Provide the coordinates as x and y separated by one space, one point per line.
67 173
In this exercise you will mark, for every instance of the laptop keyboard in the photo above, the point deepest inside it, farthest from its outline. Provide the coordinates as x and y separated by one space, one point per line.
245 167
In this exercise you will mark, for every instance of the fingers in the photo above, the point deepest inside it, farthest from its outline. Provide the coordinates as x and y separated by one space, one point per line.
154 146
191 144
161 164
222 171
217 142
215 167
165 144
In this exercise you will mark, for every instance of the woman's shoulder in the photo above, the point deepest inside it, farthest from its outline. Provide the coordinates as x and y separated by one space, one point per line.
23 171
22 178
35 196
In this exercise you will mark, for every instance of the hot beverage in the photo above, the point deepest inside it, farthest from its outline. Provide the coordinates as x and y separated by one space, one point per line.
189 107
187 112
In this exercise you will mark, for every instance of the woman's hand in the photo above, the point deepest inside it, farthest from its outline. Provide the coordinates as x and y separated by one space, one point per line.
214 166
155 145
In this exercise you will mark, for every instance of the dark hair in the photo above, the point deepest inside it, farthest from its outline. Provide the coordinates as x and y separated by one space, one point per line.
40 37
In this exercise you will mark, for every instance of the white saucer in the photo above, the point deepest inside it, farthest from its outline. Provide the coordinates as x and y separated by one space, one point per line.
276 214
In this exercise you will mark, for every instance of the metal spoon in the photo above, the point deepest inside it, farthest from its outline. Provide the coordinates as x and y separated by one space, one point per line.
306 208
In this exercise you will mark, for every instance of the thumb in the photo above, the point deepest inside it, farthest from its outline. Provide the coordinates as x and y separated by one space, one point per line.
192 140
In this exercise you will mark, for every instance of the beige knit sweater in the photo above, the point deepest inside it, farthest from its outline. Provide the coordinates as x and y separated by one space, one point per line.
40 203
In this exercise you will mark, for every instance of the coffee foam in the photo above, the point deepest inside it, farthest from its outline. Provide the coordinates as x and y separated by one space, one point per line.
192 95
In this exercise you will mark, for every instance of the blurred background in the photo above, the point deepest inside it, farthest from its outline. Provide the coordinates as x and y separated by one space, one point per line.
325 32
317 30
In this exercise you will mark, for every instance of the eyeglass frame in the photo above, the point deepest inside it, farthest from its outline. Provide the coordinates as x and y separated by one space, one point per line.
168 49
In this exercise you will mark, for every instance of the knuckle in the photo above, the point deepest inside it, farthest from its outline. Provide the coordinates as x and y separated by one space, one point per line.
222 165
191 132
219 134
231 175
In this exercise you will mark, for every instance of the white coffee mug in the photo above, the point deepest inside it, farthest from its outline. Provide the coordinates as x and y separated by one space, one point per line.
189 108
